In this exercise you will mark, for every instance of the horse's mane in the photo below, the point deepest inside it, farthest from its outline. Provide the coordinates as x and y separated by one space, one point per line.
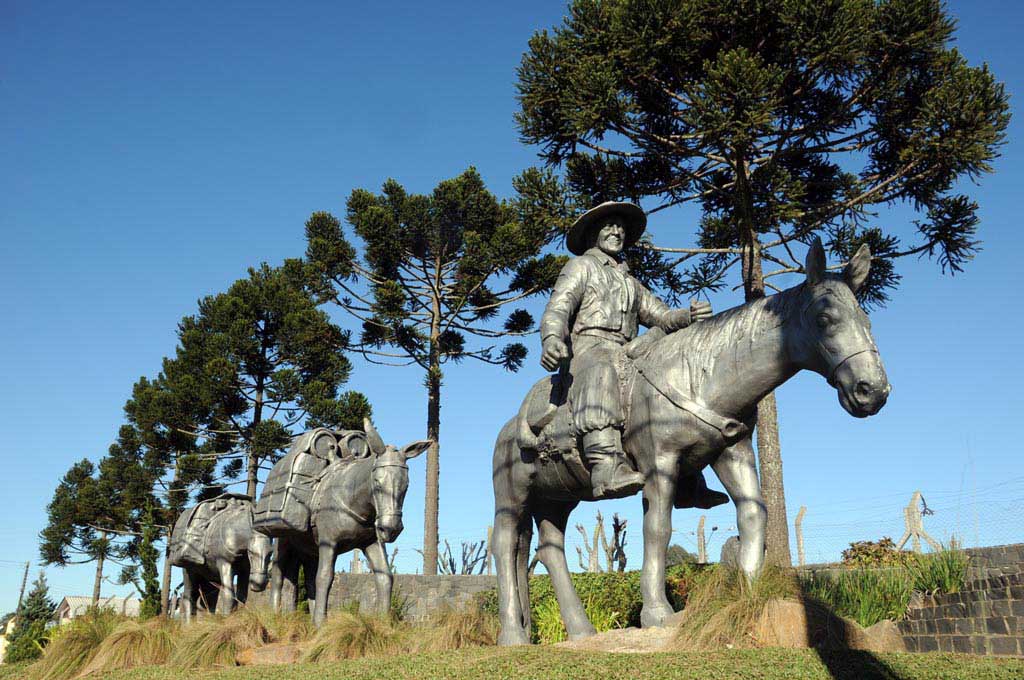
701 344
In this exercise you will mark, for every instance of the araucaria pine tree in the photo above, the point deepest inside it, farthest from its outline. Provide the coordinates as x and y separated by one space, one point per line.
435 273
779 120
264 361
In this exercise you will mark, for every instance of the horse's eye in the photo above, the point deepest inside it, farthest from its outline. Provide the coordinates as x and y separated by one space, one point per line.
823 320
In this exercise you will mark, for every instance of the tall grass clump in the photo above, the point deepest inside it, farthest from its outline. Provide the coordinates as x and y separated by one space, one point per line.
548 626
865 595
72 645
723 608
352 635
449 629
133 644
944 571
217 640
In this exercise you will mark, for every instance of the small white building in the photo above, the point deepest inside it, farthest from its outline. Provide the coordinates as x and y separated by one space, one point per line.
73 606
5 631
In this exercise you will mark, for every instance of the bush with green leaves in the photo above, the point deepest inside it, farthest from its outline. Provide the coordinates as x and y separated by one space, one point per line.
879 553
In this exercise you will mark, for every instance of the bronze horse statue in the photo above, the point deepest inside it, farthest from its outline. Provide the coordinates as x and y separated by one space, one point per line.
691 402
357 504
212 555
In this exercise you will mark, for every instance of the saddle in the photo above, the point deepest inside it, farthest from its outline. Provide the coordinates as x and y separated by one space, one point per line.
188 539
288 499
545 418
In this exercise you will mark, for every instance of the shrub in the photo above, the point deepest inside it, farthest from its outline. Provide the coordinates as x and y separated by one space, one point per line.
28 645
865 595
882 553
944 571
449 629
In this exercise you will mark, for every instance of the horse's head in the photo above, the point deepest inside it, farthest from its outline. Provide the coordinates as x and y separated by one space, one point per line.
390 481
260 550
833 334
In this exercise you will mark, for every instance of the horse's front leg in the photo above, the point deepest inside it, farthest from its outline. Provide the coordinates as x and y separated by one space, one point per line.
378 560
659 493
188 595
737 471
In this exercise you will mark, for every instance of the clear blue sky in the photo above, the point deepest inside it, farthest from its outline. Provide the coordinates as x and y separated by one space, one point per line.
153 152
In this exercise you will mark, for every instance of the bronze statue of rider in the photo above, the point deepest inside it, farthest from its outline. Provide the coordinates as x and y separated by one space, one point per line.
595 308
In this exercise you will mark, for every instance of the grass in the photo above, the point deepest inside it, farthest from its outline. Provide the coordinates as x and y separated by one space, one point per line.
135 644
723 609
217 640
548 663
72 645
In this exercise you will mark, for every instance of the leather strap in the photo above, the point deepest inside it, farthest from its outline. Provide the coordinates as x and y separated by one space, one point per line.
730 428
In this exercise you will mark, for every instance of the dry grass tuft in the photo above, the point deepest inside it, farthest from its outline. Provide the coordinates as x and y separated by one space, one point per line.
217 640
723 609
135 644
449 629
352 635
73 644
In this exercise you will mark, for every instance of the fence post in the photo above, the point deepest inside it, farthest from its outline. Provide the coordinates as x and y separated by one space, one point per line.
702 546
915 526
800 535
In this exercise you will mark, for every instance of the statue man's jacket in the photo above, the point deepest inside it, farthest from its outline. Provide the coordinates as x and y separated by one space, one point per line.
595 295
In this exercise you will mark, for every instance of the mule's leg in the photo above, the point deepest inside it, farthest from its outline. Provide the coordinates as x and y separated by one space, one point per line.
551 523
188 595
382 579
277 575
737 471
523 570
659 494
226 597
324 576
242 581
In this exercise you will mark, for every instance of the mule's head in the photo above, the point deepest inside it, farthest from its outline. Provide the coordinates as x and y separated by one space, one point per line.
389 481
833 334
260 550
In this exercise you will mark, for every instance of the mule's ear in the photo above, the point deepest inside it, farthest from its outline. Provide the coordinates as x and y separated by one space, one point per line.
416 448
856 272
815 263
373 438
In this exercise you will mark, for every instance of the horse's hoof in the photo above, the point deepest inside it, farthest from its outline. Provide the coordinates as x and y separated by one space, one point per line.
513 638
655 616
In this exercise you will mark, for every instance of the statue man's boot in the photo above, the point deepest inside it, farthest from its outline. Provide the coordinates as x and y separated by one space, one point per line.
610 476
692 492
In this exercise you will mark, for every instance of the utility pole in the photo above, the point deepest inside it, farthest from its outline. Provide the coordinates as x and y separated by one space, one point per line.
24 581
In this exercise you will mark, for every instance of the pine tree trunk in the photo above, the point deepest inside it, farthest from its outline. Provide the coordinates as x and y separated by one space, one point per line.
165 580
430 526
98 581
769 452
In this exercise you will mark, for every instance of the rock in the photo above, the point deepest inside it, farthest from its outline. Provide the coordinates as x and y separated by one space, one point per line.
730 557
278 653
795 625
629 640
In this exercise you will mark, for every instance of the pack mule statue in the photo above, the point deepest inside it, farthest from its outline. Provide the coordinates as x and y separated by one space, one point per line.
688 400
214 543
356 503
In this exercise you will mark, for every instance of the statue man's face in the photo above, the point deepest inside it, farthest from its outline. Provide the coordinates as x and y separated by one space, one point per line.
611 237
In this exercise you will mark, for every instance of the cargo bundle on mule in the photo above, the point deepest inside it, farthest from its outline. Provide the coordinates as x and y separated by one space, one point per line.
289 496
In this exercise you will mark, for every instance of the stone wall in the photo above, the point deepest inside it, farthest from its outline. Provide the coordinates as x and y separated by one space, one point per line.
987 617
422 594
998 560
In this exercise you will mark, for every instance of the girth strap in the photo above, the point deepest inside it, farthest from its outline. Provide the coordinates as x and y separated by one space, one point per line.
730 428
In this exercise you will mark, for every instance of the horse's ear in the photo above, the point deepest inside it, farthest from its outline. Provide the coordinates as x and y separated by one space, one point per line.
416 448
815 263
856 272
373 438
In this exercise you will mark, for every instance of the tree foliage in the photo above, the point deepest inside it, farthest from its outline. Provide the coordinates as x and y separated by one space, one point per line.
260 360
780 119
28 637
434 275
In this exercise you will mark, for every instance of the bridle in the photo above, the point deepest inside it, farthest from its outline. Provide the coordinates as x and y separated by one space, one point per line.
831 377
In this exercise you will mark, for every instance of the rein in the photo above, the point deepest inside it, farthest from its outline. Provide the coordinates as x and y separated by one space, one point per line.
832 373
730 428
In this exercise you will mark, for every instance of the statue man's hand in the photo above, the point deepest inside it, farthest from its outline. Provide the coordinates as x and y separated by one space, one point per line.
699 310
554 352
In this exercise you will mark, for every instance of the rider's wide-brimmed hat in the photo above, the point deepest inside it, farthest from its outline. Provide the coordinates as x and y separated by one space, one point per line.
633 219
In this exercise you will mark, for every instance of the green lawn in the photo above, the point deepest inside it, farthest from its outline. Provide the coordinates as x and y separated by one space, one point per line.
545 663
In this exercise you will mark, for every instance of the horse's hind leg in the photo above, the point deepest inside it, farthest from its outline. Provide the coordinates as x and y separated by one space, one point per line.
509 517
737 471
523 569
659 495
551 522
